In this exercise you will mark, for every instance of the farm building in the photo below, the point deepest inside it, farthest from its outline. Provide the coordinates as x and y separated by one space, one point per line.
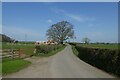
45 42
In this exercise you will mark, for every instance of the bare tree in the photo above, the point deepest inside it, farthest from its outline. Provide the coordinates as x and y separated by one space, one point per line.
60 31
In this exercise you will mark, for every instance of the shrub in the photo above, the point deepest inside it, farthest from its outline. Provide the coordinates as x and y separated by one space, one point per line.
45 49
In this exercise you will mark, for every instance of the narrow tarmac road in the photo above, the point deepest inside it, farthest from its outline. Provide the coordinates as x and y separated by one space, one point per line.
62 65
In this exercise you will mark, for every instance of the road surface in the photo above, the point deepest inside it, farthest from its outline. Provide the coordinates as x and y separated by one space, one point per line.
62 65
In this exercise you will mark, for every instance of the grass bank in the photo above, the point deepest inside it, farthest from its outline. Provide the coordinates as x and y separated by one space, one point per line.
10 66
75 50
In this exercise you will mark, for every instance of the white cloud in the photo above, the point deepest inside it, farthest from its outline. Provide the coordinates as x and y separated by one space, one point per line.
49 21
80 18
77 17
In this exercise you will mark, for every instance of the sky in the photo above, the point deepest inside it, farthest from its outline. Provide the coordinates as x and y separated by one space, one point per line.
30 20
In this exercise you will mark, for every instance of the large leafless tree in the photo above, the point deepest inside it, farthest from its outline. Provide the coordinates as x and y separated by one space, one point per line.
60 31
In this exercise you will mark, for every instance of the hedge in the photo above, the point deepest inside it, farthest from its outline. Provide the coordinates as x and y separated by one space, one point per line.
45 49
106 59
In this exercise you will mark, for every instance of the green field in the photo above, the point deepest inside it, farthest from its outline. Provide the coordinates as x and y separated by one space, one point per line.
102 46
28 49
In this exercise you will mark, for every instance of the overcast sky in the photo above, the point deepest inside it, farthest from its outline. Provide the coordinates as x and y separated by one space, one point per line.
97 21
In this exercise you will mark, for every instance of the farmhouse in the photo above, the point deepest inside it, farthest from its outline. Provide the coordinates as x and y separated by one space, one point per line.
51 42
45 42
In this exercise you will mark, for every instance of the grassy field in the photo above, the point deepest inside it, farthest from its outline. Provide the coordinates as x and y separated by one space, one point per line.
10 66
102 46
28 49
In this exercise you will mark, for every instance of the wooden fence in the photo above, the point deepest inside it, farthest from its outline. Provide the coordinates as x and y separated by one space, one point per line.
12 53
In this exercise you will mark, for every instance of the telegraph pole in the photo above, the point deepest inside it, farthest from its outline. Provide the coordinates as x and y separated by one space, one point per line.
25 38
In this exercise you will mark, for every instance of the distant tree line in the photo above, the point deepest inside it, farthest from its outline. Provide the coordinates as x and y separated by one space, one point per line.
86 40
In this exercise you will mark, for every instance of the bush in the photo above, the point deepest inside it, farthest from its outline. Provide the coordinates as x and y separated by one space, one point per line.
45 49
106 59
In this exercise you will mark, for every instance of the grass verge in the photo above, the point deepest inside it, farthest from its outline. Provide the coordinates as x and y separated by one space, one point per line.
75 50
14 65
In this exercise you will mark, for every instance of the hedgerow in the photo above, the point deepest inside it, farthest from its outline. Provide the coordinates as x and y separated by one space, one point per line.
45 49
106 59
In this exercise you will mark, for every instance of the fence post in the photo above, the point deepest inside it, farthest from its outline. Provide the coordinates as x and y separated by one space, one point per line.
12 53
20 52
